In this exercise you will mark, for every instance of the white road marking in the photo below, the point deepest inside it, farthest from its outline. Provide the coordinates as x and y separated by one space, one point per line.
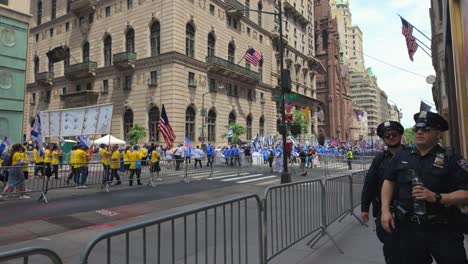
243 177
257 179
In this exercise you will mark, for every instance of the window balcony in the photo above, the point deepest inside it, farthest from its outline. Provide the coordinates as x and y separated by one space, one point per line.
235 5
81 70
45 78
80 7
79 99
232 70
294 11
125 60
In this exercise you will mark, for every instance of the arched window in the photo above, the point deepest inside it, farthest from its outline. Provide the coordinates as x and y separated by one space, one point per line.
211 44
232 118
249 127
155 38
108 50
211 126
190 123
153 119
86 52
325 39
36 66
130 40
39 12
231 52
190 40
128 123
66 61
261 126
260 7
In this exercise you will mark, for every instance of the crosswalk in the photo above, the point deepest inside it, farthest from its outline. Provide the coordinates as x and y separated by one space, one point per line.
252 177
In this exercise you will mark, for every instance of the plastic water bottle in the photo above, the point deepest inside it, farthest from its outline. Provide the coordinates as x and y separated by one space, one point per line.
419 206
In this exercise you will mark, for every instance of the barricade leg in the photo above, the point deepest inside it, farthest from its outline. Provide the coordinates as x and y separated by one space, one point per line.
45 186
185 179
323 232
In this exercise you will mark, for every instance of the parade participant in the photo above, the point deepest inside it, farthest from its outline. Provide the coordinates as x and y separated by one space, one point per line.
135 165
391 133
179 156
38 162
105 159
155 162
126 158
115 165
15 163
278 161
169 158
349 157
209 154
426 183
265 154
198 156
144 155
73 171
81 166
55 160
47 161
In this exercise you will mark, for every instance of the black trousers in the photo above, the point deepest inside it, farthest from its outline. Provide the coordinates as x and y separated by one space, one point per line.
115 174
106 176
349 164
39 167
210 161
138 174
55 170
198 161
418 242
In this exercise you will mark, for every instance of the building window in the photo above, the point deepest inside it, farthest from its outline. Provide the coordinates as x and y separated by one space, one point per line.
108 50
153 119
211 126
36 67
64 90
212 9
232 118
48 95
155 38
128 82
39 12
190 40
235 91
130 40
68 6
105 86
51 32
211 44
129 4
261 126
191 80
249 95
86 52
108 11
231 52
248 132
261 38
260 69
91 18
260 7
229 89
248 31
66 61
37 38
78 88
190 123
247 65
89 87
51 65
325 39
67 26
128 123
33 98
53 9
212 86
247 7
154 78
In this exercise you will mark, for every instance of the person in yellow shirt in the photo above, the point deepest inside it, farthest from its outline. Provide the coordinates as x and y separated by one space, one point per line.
38 162
126 158
72 174
47 161
81 166
135 165
115 165
15 176
55 153
26 161
105 159
155 161
144 154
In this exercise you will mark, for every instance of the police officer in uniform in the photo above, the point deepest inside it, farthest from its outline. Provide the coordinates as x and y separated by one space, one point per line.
434 232
391 133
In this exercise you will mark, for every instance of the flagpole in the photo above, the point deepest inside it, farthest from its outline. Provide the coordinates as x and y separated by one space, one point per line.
424 49
416 28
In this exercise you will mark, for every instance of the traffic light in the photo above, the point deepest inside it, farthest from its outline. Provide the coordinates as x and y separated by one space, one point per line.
286 80
296 129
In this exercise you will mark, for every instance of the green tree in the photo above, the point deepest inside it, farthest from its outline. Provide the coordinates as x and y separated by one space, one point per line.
408 136
237 131
298 118
136 133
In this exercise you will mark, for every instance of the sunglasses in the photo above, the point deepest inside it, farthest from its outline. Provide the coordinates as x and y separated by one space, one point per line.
391 135
424 129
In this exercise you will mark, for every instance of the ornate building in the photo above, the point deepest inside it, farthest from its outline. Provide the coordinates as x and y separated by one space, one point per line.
332 86
185 54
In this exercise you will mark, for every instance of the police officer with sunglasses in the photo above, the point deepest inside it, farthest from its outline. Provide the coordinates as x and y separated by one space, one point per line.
391 133
426 185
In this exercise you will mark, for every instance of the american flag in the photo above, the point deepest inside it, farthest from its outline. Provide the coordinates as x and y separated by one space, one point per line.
253 56
166 129
407 31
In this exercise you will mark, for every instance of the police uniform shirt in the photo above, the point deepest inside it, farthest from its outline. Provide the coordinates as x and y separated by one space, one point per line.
439 173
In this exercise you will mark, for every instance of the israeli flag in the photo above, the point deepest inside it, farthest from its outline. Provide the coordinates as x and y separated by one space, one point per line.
36 134
293 140
229 133
84 140
4 146
270 140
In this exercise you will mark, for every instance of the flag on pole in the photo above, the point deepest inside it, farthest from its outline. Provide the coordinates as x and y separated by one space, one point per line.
166 129
84 140
36 134
57 54
293 140
188 146
407 31
229 133
270 140
253 56
4 146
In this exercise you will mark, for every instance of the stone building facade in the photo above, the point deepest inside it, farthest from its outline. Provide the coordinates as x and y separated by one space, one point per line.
185 54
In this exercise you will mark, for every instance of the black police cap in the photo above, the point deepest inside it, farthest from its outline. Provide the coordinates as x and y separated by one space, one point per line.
389 125
429 119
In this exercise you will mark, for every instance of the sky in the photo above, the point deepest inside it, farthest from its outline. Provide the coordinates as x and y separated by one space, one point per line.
382 39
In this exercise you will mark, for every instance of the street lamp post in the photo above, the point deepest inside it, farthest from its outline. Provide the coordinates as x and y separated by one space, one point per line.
204 112
285 176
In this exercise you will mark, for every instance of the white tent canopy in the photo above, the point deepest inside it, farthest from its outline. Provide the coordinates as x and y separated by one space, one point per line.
109 139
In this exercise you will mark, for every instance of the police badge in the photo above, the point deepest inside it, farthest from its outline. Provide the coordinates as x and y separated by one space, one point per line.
439 160
463 163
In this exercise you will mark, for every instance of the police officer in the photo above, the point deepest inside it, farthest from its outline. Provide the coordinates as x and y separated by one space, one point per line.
349 157
431 231
391 133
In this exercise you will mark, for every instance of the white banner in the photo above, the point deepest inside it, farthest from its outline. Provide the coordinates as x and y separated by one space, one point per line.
77 121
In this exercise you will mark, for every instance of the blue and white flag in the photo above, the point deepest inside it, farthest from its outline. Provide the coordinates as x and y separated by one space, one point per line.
84 140
4 146
270 140
262 141
36 134
188 146
62 140
229 133
293 140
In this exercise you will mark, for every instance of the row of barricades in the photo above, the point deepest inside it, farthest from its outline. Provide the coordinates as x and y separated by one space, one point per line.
94 174
245 229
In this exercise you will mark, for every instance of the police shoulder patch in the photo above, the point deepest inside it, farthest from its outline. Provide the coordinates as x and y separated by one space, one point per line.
463 163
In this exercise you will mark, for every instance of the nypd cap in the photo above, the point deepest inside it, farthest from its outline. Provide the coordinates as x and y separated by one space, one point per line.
432 120
389 125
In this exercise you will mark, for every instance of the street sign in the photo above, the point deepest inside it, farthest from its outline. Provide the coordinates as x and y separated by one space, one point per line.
288 96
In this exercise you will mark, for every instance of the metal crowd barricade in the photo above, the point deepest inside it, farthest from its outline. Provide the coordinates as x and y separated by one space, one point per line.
33 184
291 212
30 255
218 233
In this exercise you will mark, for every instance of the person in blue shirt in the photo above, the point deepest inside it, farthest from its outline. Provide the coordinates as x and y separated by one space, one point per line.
209 154
235 154
227 156
265 155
